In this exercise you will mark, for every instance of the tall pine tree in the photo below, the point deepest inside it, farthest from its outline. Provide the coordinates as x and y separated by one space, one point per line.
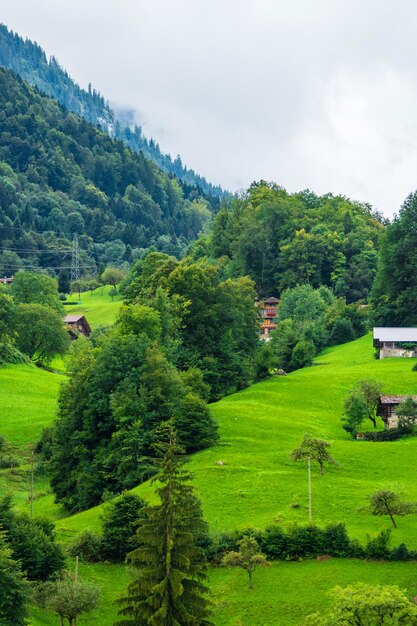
13 588
169 589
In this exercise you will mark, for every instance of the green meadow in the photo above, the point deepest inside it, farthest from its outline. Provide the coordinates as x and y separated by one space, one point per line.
97 306
256 483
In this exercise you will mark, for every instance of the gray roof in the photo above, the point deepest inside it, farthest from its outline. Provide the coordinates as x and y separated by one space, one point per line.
394 333
395 399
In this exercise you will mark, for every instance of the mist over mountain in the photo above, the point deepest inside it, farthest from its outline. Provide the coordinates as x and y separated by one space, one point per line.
61 176
29 61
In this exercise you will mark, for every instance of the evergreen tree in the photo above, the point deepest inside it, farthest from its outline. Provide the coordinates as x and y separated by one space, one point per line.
169 588
13 589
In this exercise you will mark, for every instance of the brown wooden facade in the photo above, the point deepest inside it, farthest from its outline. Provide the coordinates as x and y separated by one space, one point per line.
77 325
268 309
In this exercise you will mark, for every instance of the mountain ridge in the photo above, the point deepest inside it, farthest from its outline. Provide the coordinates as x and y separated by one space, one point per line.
28 59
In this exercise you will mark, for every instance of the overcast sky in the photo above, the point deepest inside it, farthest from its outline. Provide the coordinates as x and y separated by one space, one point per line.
310 94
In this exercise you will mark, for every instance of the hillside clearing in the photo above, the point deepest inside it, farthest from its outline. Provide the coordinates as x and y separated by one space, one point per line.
97 306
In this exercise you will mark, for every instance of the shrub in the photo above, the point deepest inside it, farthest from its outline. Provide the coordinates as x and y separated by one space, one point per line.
88 547
220 544
303 354
120 519
336 541
377 548
274 543
400 553
304 542
32 542
342 332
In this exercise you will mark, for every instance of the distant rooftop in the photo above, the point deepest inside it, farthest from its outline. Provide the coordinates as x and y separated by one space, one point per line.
72 318
394 333
395 399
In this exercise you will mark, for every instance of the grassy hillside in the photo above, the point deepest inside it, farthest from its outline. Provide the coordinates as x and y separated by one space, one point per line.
259 484
28 401
97 306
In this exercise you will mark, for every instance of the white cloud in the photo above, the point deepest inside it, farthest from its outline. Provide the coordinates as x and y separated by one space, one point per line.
309 94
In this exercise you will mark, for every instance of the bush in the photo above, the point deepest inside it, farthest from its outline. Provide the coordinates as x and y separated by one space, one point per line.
400 553
382 435
88 547
274 543
414 368
32 541
377 548
342 332
221 543
304 542
336 541
303 354
120 519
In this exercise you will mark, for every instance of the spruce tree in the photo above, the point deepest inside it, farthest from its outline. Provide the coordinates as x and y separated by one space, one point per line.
13 587
169 588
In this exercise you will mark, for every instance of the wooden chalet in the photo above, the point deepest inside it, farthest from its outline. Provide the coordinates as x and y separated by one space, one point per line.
395 341
268 310
387 406
77 325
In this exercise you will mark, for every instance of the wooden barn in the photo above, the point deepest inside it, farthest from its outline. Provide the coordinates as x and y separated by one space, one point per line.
77 325
395 341
387 406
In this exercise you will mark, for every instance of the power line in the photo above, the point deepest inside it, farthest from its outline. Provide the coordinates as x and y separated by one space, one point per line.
42 267
36 251
75 260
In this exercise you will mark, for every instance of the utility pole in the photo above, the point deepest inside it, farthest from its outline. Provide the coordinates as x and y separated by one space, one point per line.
75 263
32 475
310 516
76 579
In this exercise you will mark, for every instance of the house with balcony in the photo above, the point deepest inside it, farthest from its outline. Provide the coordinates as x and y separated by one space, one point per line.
268 309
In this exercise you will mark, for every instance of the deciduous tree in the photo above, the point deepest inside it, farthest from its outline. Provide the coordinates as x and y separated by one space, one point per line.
386 502
69 598
248 557
112 276
315 449
366 605
40 332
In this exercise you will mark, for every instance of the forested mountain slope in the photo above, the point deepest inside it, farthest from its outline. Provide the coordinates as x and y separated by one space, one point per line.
60 176
28 60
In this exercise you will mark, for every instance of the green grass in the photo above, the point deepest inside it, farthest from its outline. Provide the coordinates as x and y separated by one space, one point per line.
97 306
28 397
258 484
260 427
112 580
282 594
287 592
